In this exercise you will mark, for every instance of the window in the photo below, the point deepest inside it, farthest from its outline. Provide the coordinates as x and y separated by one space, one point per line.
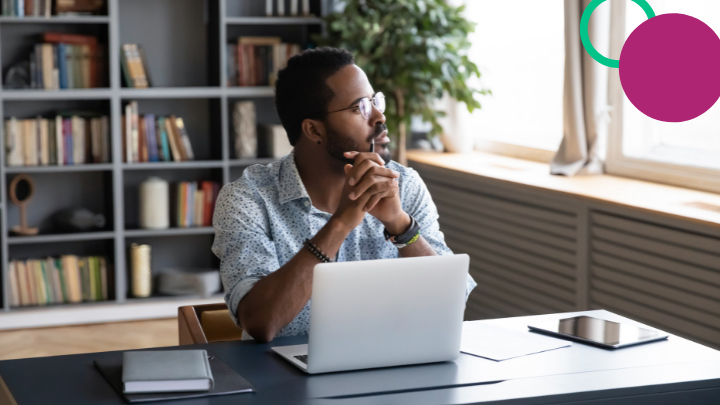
684 153
519 47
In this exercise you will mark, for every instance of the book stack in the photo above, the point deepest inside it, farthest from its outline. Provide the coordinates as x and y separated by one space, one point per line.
67 61
255 61
150 138
67 279
46 8
195 202
63 140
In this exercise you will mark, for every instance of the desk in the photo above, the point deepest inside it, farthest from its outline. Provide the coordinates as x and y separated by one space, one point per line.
668 372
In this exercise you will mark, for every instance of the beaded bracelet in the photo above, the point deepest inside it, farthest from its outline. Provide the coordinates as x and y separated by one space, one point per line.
312 247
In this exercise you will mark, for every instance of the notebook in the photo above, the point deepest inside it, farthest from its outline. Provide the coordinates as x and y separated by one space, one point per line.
155 371
226 380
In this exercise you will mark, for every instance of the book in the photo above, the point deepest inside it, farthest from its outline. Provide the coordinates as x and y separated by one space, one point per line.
103 278
14 285
23 283
178 138
226 380
172 139
134 67
166 371
63 283
151 138
142 141
164 143
183 134
134 136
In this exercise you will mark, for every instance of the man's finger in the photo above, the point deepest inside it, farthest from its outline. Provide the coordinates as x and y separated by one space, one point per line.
369 168
372 185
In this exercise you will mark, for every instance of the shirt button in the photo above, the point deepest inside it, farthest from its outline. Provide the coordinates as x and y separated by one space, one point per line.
307 203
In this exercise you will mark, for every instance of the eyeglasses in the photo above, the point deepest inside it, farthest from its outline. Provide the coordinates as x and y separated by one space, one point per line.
378 100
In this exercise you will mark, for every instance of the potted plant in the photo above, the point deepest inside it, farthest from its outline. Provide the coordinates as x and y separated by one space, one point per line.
411 50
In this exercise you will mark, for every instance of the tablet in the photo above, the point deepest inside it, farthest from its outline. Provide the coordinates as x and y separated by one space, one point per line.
599 332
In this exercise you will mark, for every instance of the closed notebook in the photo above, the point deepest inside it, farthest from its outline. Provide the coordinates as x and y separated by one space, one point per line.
226 380
166 371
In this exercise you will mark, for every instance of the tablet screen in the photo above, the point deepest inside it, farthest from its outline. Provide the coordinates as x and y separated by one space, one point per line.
600 331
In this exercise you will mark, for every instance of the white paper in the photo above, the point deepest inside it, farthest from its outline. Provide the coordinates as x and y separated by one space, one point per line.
496 343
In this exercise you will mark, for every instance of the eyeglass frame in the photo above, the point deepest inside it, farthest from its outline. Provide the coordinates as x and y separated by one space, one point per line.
372 103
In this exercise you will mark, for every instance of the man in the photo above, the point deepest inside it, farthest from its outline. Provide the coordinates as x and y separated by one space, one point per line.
330 199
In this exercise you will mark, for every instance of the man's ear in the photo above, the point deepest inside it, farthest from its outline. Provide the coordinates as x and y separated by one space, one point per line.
313 130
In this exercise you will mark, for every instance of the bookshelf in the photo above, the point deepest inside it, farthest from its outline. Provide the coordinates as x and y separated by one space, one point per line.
184 41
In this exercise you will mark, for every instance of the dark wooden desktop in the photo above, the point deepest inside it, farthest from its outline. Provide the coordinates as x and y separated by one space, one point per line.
666 372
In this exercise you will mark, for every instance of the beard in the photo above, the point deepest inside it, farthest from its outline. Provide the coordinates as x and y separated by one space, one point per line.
338 144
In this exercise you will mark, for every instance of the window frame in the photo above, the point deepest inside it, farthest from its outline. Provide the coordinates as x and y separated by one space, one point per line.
616 162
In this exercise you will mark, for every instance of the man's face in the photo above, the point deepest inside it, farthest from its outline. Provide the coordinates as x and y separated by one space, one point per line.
348 130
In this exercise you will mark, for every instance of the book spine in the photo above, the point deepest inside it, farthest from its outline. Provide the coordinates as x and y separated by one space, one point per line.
134 131
14 286
151 137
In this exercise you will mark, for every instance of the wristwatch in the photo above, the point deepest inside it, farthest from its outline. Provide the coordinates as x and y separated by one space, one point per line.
408 237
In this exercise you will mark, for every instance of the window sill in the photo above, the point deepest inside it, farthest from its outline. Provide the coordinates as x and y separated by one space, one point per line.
698 206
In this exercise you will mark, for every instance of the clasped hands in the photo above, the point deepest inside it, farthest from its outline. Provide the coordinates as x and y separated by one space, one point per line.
373 188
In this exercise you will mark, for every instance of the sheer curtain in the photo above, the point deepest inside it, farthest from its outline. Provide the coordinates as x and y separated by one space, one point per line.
585 94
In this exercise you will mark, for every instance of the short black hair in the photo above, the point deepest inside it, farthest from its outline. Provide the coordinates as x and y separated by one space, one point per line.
301 91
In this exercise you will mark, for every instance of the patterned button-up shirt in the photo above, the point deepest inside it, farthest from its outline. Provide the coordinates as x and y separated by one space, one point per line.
262 219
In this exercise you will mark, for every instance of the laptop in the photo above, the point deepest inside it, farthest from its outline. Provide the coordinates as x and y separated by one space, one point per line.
383 313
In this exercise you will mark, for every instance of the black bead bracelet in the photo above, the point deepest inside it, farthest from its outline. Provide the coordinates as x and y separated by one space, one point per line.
312 247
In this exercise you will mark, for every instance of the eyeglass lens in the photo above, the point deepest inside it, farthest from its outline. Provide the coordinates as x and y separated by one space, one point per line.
366 106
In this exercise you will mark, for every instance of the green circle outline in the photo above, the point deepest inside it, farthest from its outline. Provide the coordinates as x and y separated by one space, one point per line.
585 38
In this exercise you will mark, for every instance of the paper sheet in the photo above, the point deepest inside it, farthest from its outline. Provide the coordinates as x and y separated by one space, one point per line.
496 343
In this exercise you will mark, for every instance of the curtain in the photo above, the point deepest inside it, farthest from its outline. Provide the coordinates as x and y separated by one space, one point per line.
585 94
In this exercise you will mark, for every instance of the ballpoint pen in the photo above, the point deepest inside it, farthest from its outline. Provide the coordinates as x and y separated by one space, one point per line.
372 145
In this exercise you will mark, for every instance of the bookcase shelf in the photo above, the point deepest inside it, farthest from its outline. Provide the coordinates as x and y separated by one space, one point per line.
62 237
273 20
90 167
204 230
65 94
185 44
56 20
192 164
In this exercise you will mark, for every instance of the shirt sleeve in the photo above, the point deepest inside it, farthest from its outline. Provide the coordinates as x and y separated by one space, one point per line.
418 203
242 242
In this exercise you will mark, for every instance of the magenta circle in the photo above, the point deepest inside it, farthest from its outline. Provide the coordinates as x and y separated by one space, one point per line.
670 67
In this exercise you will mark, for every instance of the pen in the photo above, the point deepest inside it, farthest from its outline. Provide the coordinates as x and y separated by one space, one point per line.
372 145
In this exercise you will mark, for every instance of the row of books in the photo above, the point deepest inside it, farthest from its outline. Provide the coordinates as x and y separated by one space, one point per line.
293 7
67 61
255 61
67 279
63 140
150 138
195 202
46 8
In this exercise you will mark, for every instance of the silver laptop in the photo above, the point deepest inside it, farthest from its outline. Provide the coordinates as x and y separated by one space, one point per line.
382 313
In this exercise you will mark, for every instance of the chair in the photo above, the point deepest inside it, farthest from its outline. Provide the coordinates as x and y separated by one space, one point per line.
206 324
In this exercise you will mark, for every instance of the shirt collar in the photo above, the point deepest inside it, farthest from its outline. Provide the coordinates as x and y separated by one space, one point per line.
291 185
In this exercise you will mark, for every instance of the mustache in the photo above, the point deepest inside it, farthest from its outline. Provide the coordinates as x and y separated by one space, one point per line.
378 130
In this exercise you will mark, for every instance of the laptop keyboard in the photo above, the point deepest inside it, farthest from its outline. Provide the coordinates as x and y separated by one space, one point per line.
302 357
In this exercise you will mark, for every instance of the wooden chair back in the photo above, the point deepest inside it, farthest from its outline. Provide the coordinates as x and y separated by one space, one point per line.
206 324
